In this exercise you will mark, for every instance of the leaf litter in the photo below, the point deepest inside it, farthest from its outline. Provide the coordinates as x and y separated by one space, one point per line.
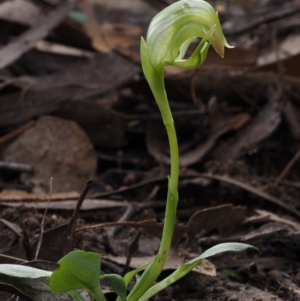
239 125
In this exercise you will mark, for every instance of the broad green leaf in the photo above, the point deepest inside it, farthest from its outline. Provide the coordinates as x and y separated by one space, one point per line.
187 267
22 271
77 270
117 283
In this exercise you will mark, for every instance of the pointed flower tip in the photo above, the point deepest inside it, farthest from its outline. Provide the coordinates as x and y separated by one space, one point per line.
227 46
220 45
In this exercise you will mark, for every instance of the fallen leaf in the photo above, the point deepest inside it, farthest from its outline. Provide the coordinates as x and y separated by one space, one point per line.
70 163
60 49
287 52
263 215
267 231
68 205
107 37
21 196
246 140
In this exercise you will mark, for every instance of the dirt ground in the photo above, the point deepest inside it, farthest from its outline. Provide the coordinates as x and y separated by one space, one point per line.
84 157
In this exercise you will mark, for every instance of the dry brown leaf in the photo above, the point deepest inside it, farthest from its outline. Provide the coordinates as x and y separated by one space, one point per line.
255 191
196 154
60 49
224 218
67 205
263 215
21 196
106 37
266 231
66 154
284 280
288 52
261 126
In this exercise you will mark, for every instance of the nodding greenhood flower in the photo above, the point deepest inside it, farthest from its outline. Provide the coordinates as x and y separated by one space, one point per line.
169 35
173 29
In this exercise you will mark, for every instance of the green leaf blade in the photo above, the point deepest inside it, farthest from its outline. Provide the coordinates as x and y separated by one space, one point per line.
77 270
224 247
187 267
117 283
22 271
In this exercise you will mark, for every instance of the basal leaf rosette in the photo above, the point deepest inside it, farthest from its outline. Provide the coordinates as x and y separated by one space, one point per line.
173 29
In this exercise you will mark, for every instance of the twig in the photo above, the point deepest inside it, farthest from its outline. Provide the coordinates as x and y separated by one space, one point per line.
220 178
131 209
18 167
43 221
254 191
26 242
12 258
15 133
10 298
129 187
79 203
287 168
132 248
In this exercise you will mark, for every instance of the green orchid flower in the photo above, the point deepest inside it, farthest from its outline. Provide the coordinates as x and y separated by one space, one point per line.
173 29
169 35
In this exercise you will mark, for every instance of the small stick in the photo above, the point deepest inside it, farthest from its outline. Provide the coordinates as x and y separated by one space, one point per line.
132 248
287 168
78 206
18 167
15 133
43 221
26 243
126 215
11 298
12 258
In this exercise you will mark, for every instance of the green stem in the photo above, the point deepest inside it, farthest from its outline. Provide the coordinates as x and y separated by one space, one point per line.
155 77
172 199
99 296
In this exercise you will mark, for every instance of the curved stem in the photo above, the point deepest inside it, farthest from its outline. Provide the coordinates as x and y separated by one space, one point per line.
155 78
172 199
